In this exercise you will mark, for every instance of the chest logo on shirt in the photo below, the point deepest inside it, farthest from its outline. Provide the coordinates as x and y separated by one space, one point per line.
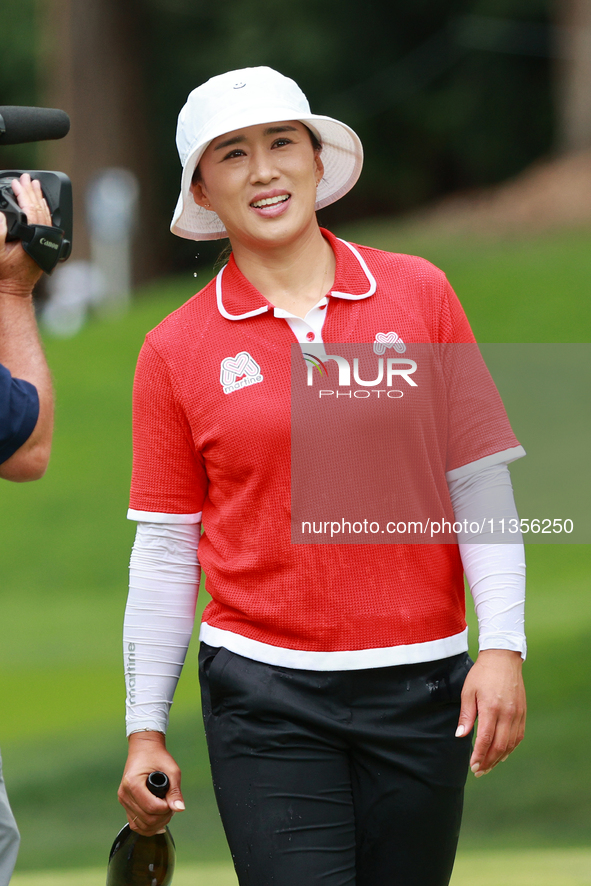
388 340
239 372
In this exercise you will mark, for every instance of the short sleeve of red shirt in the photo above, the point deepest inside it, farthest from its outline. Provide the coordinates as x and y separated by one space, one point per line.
453 323
479 428
168 479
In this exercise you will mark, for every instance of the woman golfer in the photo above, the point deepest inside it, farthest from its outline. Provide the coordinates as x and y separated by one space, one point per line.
338 696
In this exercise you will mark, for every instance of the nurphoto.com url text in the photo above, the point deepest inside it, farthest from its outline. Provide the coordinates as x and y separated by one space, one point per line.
433 528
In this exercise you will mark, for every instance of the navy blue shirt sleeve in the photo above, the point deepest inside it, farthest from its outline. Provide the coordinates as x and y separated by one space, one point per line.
19 411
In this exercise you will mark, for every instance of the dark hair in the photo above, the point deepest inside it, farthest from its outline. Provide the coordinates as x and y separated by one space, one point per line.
223 258
316 144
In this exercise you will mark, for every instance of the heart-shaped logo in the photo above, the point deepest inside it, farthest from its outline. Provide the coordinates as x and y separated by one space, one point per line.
232 368
388 340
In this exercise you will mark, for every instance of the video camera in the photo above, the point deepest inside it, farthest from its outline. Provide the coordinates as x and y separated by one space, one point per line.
47 245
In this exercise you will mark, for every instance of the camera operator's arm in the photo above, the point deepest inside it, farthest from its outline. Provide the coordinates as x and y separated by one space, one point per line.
20 348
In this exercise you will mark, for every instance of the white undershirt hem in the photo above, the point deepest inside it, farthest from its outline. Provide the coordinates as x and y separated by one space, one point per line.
153 517
345 660
504 457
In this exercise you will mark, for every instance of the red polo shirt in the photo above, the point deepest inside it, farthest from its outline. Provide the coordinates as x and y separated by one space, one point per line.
212 441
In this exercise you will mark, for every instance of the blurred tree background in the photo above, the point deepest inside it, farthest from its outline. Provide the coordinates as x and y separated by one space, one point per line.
445 94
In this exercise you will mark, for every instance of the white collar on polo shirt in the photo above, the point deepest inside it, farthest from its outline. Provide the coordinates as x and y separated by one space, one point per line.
348 295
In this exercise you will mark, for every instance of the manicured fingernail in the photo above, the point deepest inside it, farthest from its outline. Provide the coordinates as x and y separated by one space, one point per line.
505 758
178 805
479 774
163 831
475 767
460 731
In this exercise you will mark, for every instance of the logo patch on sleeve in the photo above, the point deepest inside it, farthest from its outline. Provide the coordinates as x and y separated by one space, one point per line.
239 372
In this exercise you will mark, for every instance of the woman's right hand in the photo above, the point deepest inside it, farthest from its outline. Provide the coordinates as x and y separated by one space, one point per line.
146 813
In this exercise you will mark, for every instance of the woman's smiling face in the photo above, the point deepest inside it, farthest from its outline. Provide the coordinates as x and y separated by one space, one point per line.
261 181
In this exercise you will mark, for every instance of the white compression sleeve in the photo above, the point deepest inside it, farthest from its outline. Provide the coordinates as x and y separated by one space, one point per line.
495 572
164 580
163 584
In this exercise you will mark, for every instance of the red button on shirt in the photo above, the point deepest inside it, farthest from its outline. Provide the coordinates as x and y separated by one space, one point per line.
310 336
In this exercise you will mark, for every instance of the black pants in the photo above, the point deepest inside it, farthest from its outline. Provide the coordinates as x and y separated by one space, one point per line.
339 778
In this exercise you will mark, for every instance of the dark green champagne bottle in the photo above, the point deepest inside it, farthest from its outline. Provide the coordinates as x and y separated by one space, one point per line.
136 860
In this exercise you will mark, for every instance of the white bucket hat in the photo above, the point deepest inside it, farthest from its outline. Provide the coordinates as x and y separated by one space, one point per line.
248 97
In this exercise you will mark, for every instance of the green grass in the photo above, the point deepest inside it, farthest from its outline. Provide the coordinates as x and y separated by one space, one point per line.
542 867
540 795
64 554
532 289
207 875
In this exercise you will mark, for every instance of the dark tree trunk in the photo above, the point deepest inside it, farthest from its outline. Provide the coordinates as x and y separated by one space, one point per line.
91 66
573 76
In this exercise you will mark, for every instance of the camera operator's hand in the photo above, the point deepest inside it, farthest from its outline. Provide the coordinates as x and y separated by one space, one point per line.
20 349
18 271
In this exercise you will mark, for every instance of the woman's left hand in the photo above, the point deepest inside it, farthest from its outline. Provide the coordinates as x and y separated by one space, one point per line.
493 692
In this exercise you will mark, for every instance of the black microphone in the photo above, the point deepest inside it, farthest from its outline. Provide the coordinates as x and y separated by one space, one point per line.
22 124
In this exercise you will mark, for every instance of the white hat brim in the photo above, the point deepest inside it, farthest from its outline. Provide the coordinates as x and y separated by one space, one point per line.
342 157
